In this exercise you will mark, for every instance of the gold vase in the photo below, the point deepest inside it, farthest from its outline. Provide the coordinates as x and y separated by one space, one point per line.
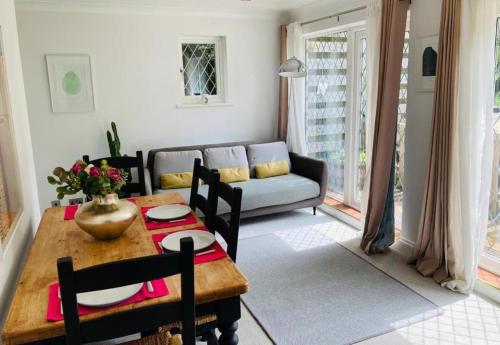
106 217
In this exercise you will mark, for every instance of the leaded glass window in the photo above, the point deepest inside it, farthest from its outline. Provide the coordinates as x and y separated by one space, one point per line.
202 69
199 69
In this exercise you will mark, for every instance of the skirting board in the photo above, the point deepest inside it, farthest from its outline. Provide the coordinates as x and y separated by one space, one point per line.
344 218
487 291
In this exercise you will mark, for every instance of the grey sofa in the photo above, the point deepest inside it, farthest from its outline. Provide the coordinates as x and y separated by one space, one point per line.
305 186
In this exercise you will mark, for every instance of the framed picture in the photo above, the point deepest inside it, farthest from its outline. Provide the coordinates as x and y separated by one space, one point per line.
426 60
70 82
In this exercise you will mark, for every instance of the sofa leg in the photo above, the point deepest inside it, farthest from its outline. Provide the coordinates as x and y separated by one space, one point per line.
314 210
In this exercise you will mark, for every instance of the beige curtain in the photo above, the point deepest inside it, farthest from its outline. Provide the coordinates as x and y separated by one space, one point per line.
4 209
433 253
394 14
283 93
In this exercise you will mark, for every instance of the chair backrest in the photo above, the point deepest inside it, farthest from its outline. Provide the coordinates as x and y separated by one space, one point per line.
121 273
126 163
228 228
207 205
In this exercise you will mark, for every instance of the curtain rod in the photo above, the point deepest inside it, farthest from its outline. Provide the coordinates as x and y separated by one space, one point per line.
333 15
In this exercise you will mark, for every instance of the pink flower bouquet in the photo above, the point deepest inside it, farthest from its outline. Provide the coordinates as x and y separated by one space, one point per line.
91 180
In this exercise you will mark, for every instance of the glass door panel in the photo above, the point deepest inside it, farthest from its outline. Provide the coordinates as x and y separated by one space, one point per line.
326 104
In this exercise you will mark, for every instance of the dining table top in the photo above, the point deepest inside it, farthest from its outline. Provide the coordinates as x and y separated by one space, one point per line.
56 237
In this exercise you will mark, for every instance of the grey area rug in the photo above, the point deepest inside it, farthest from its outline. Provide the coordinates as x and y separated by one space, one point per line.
323 294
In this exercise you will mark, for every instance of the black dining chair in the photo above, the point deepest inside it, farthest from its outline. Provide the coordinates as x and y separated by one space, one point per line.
125 272
228 226
126 163
207 205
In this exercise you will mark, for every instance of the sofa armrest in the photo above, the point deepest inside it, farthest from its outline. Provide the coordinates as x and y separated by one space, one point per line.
314 169
147 181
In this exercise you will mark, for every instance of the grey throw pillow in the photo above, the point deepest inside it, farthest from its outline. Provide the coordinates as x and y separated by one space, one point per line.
225 157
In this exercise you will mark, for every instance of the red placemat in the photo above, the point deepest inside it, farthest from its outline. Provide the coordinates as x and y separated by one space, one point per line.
155 224
219 253
54 306
69 212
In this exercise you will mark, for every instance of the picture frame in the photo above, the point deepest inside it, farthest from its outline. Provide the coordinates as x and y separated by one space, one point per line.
425 62
70 83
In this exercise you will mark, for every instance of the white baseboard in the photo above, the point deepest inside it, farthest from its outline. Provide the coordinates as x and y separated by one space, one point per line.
487 291
404 247
345 218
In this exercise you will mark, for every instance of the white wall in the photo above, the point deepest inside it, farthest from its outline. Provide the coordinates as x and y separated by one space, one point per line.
12 252
136 78
323 8
425 20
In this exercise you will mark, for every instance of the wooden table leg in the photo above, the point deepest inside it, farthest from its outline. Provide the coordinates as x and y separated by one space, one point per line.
228 334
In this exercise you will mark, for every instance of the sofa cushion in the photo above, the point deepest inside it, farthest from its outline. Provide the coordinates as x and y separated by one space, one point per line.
173 162
176 180
228 175
257 193
265 170
266 153
225 157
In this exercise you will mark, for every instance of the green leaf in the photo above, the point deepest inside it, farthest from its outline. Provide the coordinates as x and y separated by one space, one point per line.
61 189
51 180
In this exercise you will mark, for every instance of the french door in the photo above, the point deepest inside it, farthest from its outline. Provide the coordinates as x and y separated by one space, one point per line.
336 108
336 103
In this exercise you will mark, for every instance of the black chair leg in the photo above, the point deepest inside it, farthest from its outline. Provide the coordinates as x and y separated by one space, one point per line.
314 210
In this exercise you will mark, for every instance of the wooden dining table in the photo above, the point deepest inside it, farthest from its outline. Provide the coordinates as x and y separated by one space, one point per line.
218 284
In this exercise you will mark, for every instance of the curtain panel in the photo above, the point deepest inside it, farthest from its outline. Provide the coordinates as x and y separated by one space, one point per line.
373 33
472 154
283 90
433 253
455 210
296 127
378 230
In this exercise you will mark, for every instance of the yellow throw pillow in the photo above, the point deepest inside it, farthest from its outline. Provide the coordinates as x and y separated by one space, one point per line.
270 169
229 175
176 180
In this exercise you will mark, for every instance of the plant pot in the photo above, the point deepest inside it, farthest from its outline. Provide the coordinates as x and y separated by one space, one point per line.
106 218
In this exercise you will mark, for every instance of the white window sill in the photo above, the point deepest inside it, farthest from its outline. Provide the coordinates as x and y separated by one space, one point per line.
204 105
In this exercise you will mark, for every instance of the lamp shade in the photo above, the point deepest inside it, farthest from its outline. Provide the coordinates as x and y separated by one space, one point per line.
293 68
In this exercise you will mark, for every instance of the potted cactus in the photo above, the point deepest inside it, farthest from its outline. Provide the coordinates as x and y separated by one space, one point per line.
114 143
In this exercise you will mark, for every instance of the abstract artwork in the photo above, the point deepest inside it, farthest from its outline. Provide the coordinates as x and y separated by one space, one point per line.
70 82
426 59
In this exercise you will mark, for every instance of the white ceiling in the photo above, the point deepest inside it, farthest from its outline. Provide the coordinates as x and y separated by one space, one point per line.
238 5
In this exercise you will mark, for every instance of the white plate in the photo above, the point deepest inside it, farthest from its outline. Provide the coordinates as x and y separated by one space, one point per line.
168 212
104 298
202 239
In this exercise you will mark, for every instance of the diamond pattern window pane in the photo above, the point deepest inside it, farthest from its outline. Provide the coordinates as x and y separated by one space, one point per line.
403 96
400 136
199 69
362 118
326 83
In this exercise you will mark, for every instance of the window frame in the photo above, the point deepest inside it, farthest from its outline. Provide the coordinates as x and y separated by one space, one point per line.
220 67
6 119
359 35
